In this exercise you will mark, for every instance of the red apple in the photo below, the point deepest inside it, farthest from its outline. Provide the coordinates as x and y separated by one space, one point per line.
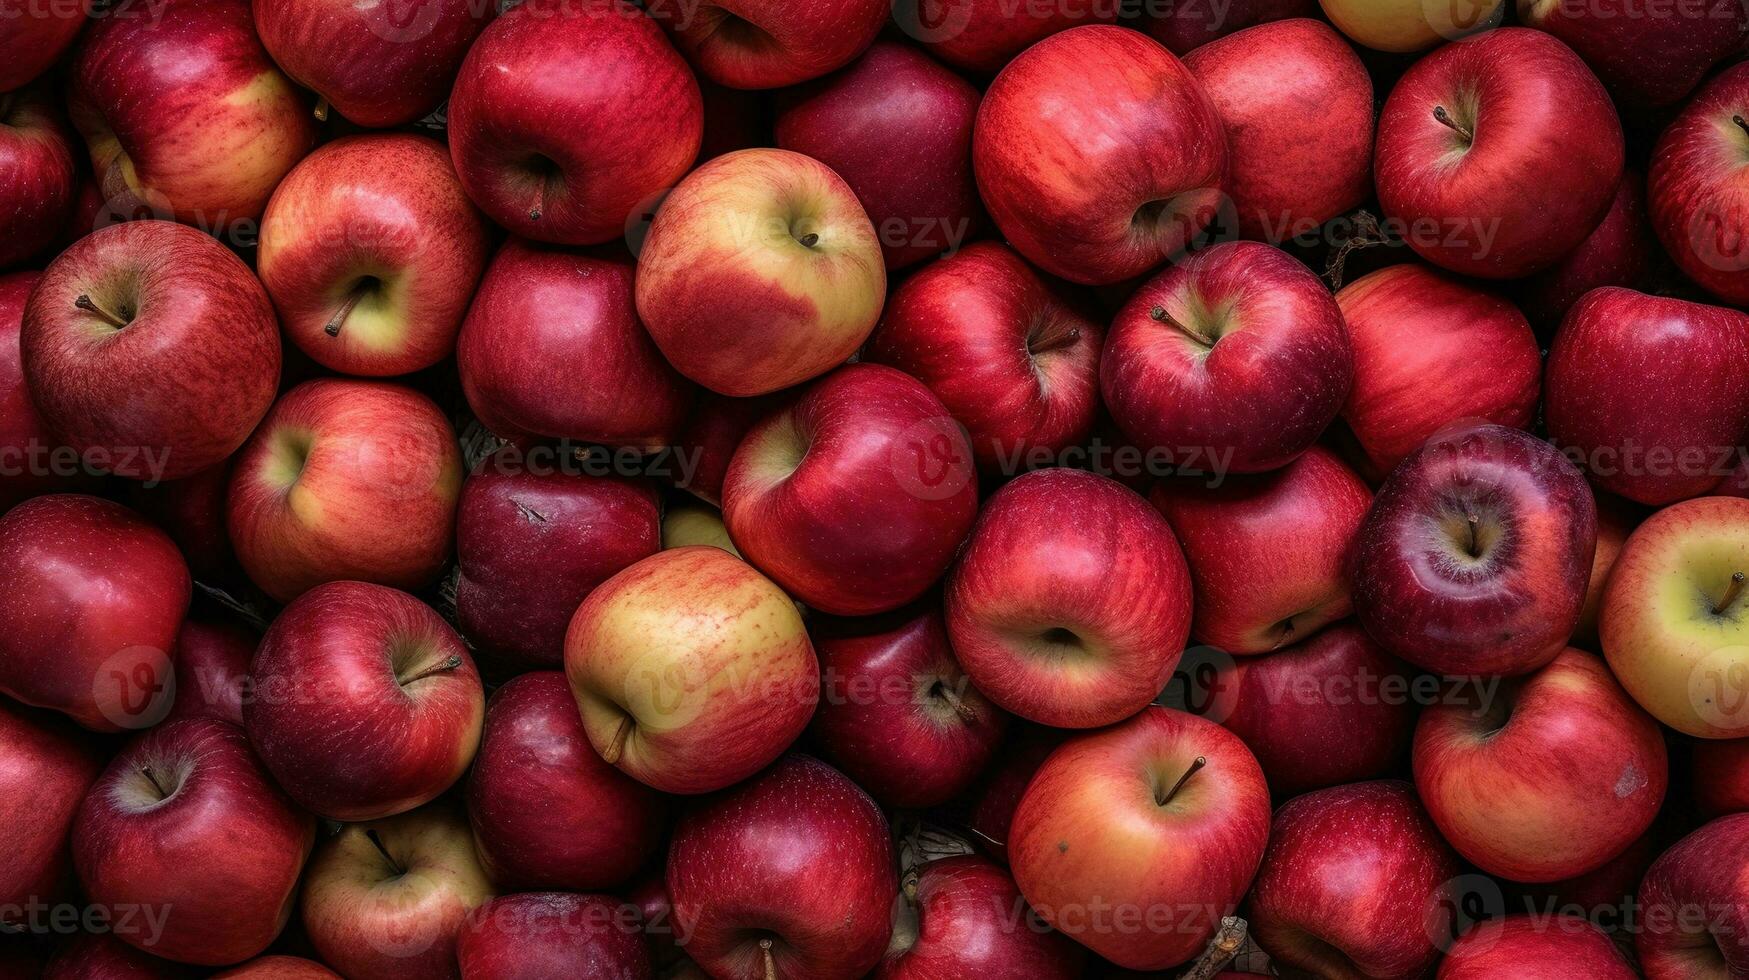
46 768
380 64
567 115
983 35
1694 905
1297 106
1356 883
1011 353
186 821
1618 252
964 917
788 875
770 43
93 600
32 460
1183 27
1721 775
1099 154
364 702
546 318
345 480
1528 947
36 170
1476 553
96 956
547 812
36 36
856 498
553 934
192 511
150 347
211 661
711 435
1457 120
371 251
1237 352
1647 55
1158 822
1430 350
1071 601
278 968
1695 191
1005 782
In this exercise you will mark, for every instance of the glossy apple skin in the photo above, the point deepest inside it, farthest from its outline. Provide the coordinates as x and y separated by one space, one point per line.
980 36
1620 251
1526 947
351 661
1695 907
1099 154
1356 882
1297 525
734 299
1500 599
865 448
1430 350
1248 359
1100 824
553 934
278 968
959 922
95 956
897 714
1545 114
1694 187
184 113
394 910
692 671
759 44
1645 56
799 855
556 159
36 171
46 769
35 38
378 222
552 347
1184 27
211 659
533 543
381 64
94 598
1297 106
1011 352
1064 551
345 480
29 464
1721 776
897 127
1549 779
185 819
547 812
180 386
1628 371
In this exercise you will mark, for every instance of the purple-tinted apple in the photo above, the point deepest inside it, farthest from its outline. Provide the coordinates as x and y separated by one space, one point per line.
211 660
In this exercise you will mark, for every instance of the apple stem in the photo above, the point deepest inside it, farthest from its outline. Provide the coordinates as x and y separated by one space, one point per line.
1731 593
770 963
384 851
1159 314
1741 124
954 701
445 667
617 747
1060 341
340 315
1474 547
809 240
1440 114
1194 767
152 777
321 108
85 303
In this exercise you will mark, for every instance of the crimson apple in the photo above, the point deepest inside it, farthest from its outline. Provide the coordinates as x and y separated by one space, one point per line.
1694 188
983 35
964 917
1183 27
1616 519
98 956
1721 775
192 511
278 968
1647 55
1005 782
711 435
1620 251
770 43
32 460
1694 906
46 769
1527 947
36 170
211 662
553 934
36 36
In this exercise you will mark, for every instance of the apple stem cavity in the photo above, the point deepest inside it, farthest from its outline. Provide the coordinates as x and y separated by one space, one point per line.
1195 766
1160 315
152 777
86 303
1731 592
377 841
321 108
770 963
1440 114
617 747
1474 546
945 692
1741 123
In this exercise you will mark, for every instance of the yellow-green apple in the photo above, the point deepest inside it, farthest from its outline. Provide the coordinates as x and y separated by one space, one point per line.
1476 553
37 176
1646 55
1720 770
363 702
1402 26
1695 188
547 811
1099 154
184 113
32 460
867 447
1184 27
98 956
36 36
1298 522
896 713
1616 519
1237 352
185 820
692 671
687 524
46 769
345 480
93 600
152 347
1528 947
1430 350
568 115
1620 251
387 899
1694 905
760 271
898 128
553 934
531 543
552 348
1675 624
211 661
983 35
1297 106
278 968
371 252
1356 883
770 43
1159 821
380 63
789 875
1500 772
1455 121
1650 393
962 917
1071 601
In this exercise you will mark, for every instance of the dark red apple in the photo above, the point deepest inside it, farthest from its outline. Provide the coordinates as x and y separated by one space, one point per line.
211 659
46 768
36 169
1646 54
1694 905
964 917
539 935
1620 251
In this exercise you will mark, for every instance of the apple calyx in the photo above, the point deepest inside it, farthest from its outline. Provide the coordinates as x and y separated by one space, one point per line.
1160 315
1286 627
809 240
617 747
1195 766
321 112
1440 114
89 305
1731 592
377 841
770 963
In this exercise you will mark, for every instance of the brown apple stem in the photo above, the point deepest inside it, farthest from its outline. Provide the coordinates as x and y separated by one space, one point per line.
441 668
377 841
1741 124
340 315
809 240
85 303
1440 114
152 777
1060 341
1474 547
321 108
1731 593
1159 314
1194 768
617 747
957 703
770 962
1220 950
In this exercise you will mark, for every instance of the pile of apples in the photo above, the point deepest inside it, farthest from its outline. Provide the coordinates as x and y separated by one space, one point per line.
928 489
